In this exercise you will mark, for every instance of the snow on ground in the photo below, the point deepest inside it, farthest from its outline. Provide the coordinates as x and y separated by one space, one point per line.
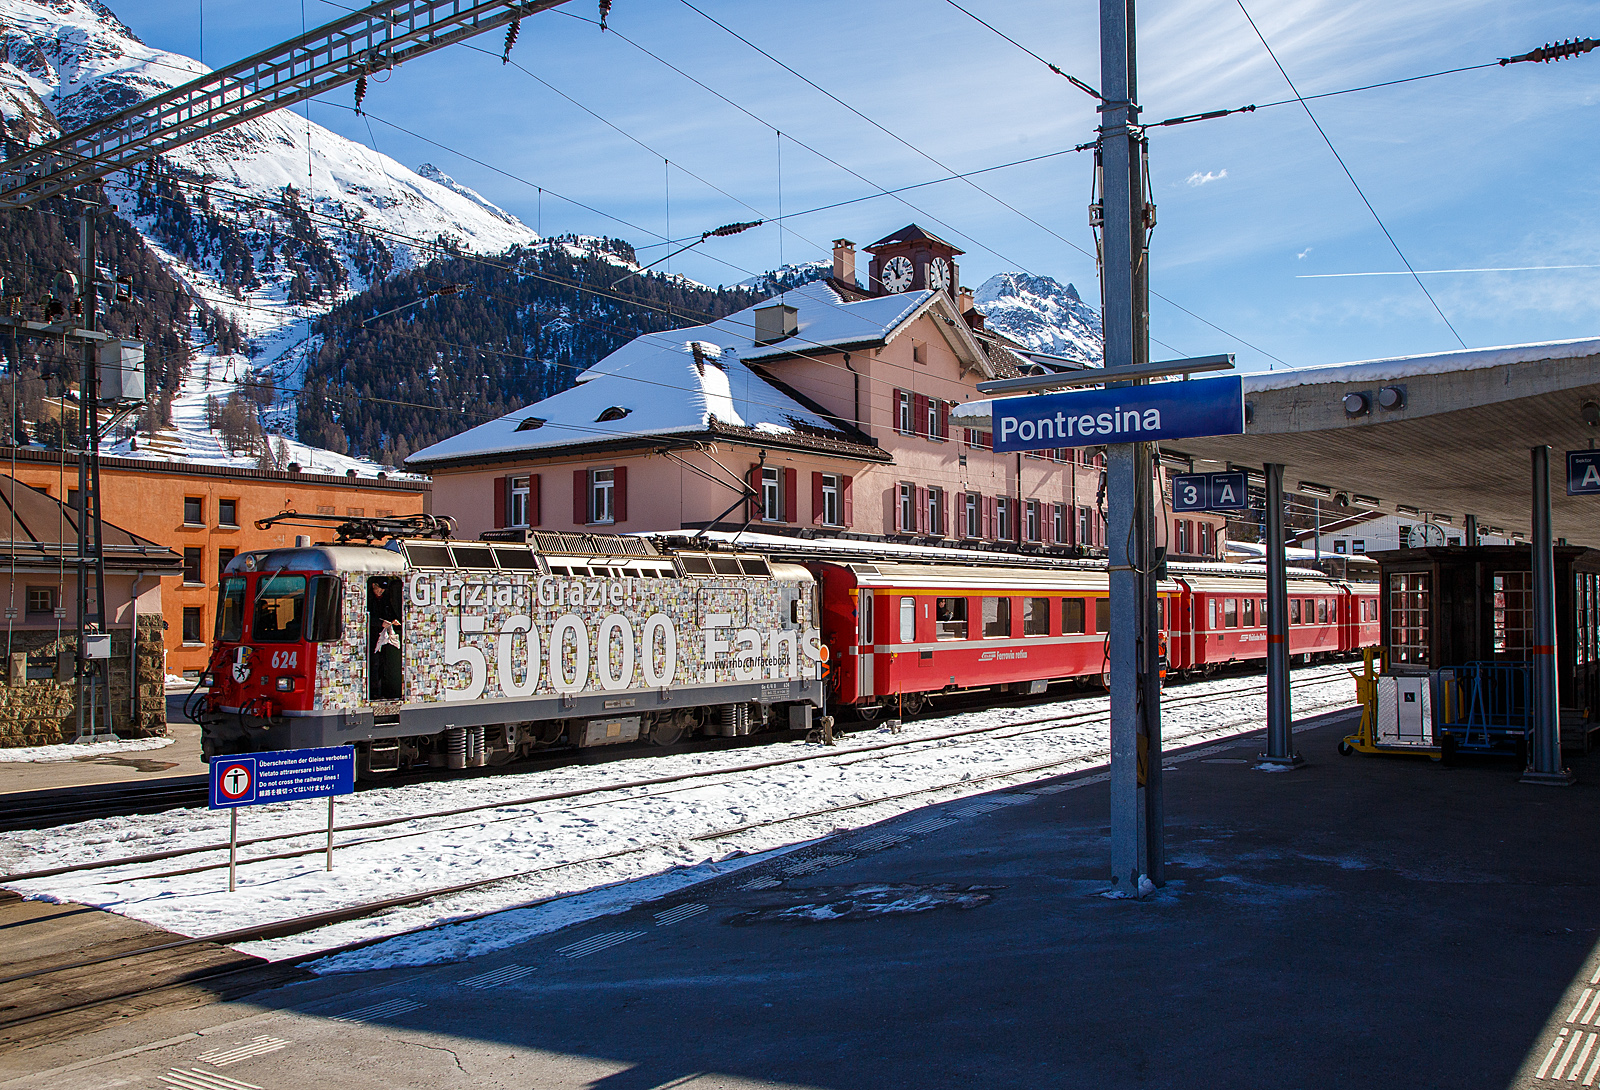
555 849
72 751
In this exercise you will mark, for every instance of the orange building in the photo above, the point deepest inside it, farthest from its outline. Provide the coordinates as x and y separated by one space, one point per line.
207 515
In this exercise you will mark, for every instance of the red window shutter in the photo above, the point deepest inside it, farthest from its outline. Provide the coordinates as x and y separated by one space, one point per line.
921 512
919 414
816 499
619 494
755 489
791 495
1047 523
899 510
846 515
580 497
502 488
986 440
988 516
944 511
533 500
944 419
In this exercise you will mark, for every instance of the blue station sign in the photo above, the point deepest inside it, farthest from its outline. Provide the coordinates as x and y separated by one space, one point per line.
1128 414
281 776
1583 472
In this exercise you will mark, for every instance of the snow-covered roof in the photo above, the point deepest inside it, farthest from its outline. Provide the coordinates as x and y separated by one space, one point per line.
1435 363
656 379
659 388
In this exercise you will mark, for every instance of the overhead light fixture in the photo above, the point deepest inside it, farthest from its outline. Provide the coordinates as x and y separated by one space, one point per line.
1406 509
1357 404
1365 501
1446 519
1310 488
1392 397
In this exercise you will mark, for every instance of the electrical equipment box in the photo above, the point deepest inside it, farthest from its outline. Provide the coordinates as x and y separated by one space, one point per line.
97 645
1405 715
121 372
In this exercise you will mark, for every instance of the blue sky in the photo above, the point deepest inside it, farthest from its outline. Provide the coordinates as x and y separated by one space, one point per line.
1487 169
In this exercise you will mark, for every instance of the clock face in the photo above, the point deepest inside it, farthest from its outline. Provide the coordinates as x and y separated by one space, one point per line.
1424 534
897 274
938 274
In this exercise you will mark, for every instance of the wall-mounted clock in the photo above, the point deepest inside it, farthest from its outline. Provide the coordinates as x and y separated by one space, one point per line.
938 274
1424 535
897 274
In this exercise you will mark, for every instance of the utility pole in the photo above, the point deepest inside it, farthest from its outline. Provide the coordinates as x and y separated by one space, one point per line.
91 687
1136 799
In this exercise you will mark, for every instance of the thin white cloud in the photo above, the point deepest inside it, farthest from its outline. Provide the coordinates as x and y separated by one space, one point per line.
1302 254
1209 176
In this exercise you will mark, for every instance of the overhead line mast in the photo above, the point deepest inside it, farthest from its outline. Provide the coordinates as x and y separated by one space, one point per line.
374 39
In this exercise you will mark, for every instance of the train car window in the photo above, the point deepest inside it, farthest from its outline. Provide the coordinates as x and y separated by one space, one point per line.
755 565
1230 613
1036 616
908 620
952 618
515 559
996 616
864 618
1071 615
428 556
1310 611
725 565
580 569
280 609
325 621
230 610
559 569
1249 613
696 565
1294 611
1322 611
1263 612
1102 614
1213 603
473 556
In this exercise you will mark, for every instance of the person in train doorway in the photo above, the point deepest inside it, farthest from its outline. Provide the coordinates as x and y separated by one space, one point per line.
383 634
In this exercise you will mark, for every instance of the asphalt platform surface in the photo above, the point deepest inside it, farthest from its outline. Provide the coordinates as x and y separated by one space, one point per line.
1360 922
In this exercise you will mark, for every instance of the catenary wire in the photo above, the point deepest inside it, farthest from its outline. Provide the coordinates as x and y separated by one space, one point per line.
1342 166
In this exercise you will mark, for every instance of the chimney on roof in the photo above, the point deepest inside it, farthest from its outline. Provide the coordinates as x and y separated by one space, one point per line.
775 323
964 299
844 260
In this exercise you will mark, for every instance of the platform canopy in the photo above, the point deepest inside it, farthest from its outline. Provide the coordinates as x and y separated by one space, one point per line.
1445 434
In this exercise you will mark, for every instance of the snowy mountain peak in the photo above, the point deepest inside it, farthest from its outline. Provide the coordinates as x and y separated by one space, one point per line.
1043 314
434 174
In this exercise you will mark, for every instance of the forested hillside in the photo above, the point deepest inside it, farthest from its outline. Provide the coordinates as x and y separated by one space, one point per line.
472 338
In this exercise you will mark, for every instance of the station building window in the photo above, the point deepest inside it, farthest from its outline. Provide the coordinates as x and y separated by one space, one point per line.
1033 527
831 513
602 495
771 494
907 507
228 513
191 624
191 565
42 600
1409 615
224 558
1006 528
1513 614
934 523
194 511
1058 517
521 489
1358 546
1340 545
972 506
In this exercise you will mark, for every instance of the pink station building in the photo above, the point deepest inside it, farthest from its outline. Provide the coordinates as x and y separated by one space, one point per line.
823 411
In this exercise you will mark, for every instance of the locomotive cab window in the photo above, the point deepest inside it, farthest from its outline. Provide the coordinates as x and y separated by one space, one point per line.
952 613
280 609
230 610
326 620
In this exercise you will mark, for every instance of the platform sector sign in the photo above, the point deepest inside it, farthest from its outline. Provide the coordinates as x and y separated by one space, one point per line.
1583 472
1210 492
1127 414
282 775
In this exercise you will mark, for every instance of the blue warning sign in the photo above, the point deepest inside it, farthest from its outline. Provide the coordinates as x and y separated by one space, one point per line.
282 775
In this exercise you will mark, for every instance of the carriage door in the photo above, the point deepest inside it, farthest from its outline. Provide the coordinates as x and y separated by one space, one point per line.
385 606
864 635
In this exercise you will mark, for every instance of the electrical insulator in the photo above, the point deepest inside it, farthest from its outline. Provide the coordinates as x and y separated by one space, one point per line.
1097 215
361 91
605 10
511 39
1554 52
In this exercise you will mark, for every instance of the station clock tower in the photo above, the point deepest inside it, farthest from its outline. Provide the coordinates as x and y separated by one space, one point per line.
912 260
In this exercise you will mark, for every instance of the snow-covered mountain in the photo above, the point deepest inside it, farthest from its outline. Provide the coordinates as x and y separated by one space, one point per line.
271 222
1042 314
789 277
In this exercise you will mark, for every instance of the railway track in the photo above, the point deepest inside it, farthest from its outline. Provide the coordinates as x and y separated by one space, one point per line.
40 975
685 781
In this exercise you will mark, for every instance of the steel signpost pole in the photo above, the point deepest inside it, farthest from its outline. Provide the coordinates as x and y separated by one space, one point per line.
1119 155
1544 752
1280 738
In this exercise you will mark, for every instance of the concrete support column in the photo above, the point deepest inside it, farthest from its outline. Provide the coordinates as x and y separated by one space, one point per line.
1280 739
1544 749
1469 532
